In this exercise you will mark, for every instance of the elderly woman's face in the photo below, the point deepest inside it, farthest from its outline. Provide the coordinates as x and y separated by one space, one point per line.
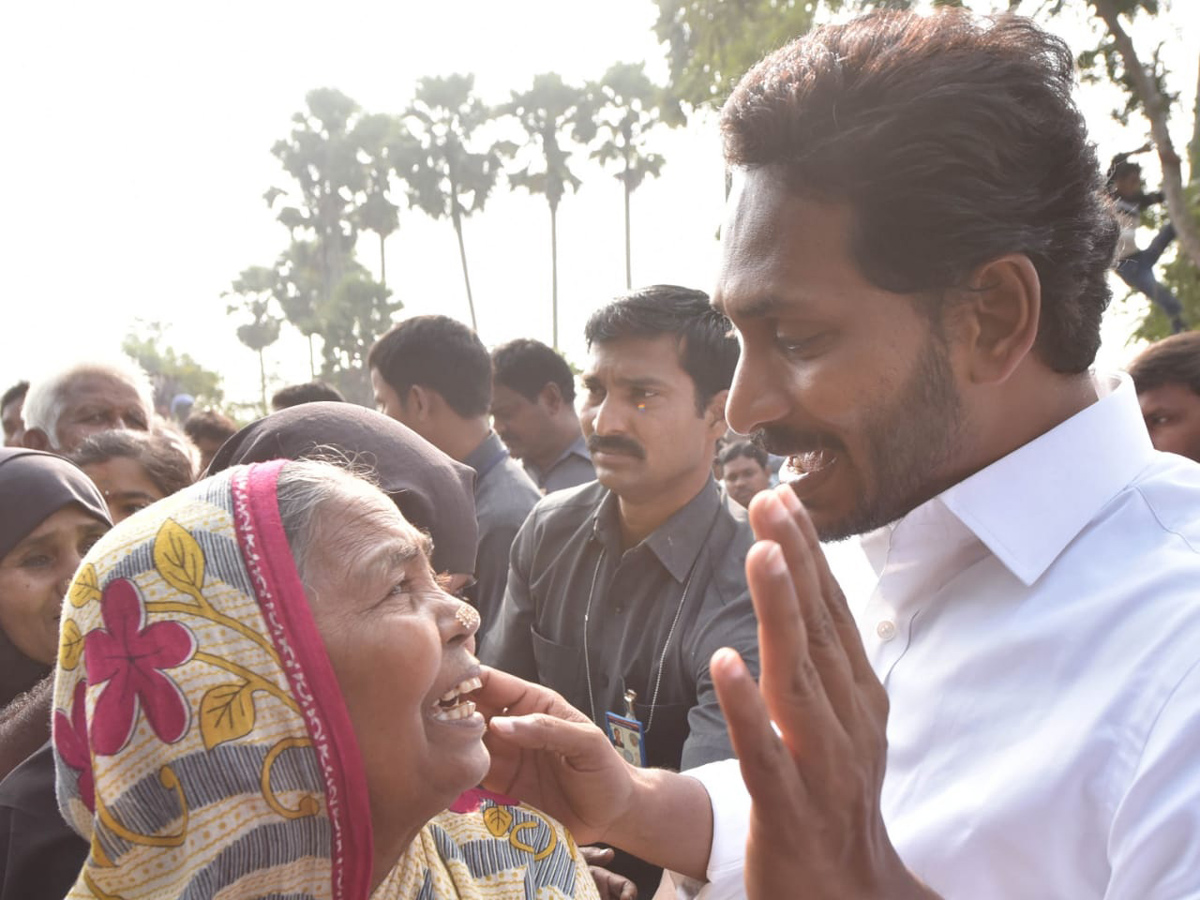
35 575
399 645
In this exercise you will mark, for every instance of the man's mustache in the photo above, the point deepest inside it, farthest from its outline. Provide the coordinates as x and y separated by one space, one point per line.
615 443
782 441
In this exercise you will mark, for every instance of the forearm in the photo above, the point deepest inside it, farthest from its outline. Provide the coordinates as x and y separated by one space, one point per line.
669 822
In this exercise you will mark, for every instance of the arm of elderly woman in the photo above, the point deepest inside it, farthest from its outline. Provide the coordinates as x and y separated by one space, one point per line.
552 756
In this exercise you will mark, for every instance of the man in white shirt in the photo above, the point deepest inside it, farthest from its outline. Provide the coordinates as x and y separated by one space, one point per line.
916 332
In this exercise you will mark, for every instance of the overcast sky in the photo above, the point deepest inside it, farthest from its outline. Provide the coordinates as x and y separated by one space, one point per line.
137 147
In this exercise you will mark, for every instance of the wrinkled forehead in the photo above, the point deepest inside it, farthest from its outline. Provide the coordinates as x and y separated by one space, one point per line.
359 517
99 389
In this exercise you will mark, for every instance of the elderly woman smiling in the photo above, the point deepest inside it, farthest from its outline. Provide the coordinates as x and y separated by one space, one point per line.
262 693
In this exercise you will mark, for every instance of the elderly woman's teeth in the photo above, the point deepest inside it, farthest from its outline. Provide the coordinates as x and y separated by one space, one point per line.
463 687
454 713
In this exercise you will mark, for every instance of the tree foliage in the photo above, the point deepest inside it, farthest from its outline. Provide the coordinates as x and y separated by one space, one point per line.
628 106
171 373
713 43
552 113
254 289
451 172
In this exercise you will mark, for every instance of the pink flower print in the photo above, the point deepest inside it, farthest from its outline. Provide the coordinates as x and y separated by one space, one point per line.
130 655
71 742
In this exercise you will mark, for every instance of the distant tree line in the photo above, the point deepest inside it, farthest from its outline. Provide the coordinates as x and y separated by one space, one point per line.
352 172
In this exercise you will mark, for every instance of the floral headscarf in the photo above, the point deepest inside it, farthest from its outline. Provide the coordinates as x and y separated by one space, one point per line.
202 745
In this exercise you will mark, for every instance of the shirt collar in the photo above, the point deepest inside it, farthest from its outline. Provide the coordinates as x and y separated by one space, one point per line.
677 541
485 455
578 447
1029 505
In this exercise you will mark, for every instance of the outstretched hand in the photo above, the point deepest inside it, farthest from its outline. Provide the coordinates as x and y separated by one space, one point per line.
548 754
815 819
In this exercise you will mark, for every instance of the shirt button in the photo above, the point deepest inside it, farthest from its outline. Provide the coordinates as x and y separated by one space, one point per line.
620 609
886 630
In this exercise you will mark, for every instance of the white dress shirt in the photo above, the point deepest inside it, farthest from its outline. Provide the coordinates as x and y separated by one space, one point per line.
1037 628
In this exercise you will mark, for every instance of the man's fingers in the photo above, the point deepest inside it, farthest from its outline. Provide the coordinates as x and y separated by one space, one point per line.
770 774
793 689
507 694
583 745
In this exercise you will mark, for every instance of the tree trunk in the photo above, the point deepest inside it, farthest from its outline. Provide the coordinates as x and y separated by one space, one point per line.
262 380
1156 111
382 262
1194 144
462 257
628 264
312 362
554 275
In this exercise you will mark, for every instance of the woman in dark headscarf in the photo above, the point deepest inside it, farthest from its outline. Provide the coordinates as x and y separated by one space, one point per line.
50 515
432 491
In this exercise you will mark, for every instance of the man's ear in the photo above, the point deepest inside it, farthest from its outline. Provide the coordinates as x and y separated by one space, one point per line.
550 396
996 319
36 439
420 402
714 414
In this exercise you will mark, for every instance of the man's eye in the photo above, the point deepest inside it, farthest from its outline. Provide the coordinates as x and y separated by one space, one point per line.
37 561
800 347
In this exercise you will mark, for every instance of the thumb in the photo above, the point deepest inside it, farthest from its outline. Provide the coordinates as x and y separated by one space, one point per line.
539 731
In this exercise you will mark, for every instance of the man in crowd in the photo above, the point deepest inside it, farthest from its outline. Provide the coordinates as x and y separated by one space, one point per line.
533 410
744 470
309 392
1167 378
1136 267
433 374
917 328
64 408
208 430
620 590
10 413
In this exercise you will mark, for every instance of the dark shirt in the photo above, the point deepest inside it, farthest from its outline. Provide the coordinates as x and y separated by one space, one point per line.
572 538
40 855
504 495
572 468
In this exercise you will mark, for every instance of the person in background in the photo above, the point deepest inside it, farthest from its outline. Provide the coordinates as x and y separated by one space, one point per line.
1136 267
81 399
133 469
10 414
621 589
433 374
50 515
533 411
208 430
181 408
1167 377
744 470
309 392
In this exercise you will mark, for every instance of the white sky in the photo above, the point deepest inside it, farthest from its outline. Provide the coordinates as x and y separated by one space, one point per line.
137 148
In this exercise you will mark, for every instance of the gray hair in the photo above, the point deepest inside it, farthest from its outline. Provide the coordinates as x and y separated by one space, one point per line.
303 487
46 398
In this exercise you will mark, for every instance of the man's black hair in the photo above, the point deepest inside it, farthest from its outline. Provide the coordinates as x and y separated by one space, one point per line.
708 351
748 449
440 353
16 392
526 366
1173 360
209 425
954 140
309 392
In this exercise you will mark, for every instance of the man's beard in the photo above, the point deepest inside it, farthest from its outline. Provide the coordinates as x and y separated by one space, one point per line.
908 443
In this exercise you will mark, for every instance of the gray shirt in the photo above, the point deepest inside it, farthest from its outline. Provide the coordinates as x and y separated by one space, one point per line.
569 552
504 495
573 467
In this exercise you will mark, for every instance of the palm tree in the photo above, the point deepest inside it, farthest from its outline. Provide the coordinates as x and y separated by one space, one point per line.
628 105
449 172
383 146
255 288
546 111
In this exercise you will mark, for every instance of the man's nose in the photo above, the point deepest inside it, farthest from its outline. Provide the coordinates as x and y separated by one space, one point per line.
608 417
755 397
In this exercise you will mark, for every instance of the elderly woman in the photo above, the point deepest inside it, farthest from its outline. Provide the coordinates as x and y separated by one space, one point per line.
50 515
263 691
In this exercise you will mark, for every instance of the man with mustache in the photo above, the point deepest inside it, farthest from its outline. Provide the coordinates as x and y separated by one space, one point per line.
619 591
915 261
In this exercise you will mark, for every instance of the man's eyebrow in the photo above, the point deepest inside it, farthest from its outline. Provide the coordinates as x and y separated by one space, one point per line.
129 495
760 307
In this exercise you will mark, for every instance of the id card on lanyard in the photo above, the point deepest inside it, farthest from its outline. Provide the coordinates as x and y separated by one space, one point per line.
627 734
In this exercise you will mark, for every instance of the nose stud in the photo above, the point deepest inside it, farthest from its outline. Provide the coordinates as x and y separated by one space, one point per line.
467 617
